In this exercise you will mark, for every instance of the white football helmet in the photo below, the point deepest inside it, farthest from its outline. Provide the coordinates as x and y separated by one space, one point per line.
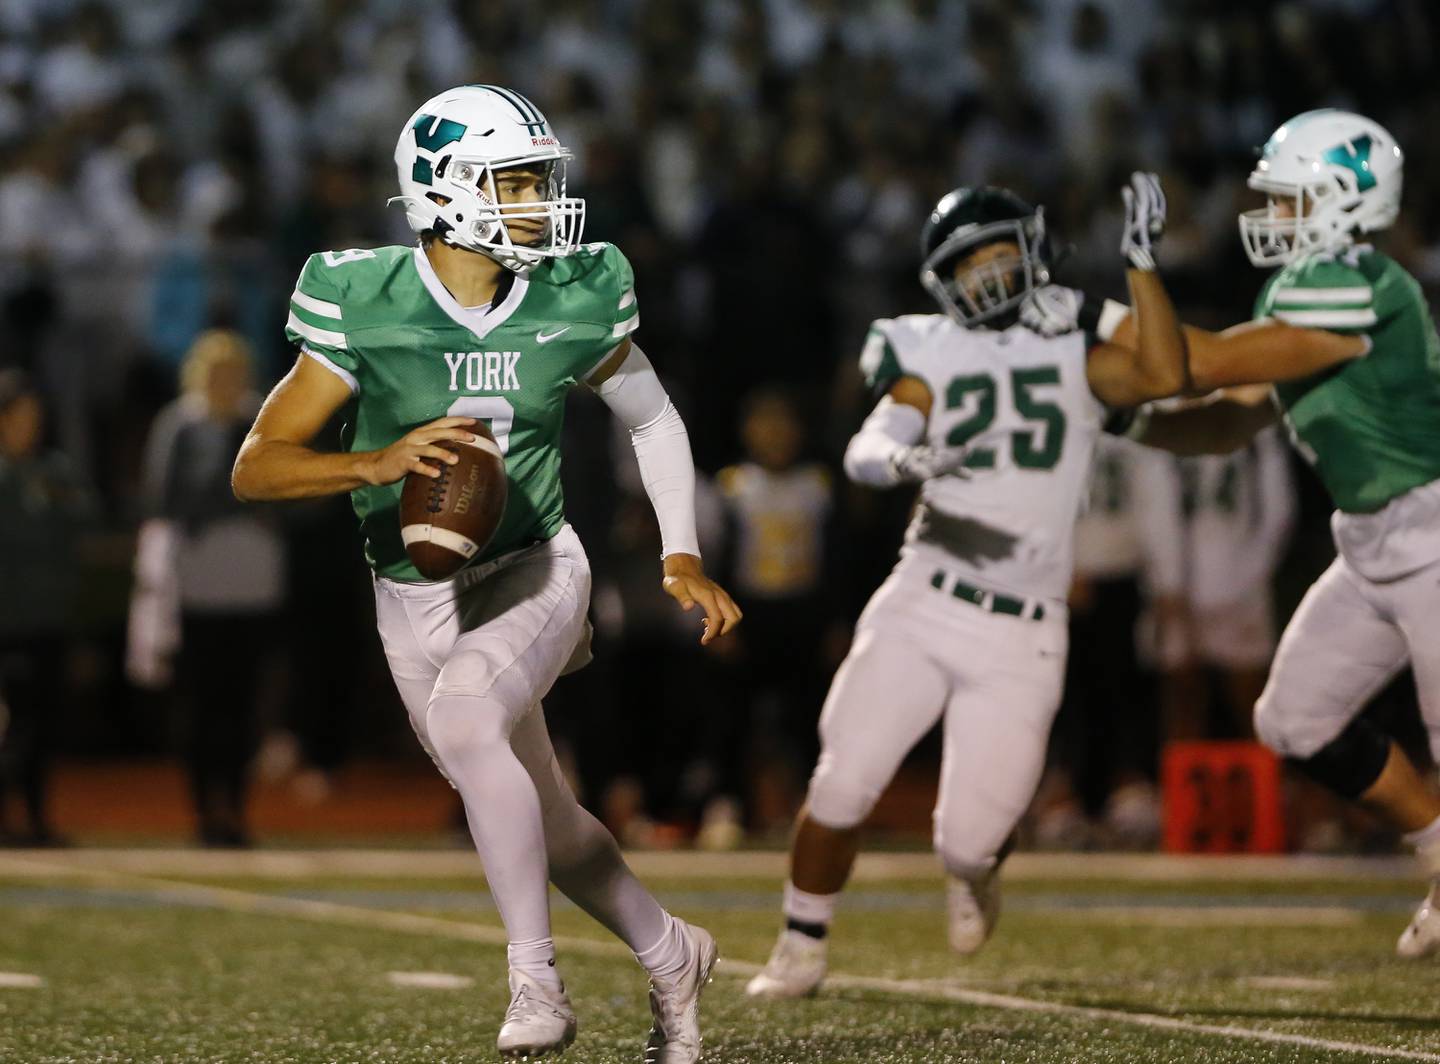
447 158
1343 173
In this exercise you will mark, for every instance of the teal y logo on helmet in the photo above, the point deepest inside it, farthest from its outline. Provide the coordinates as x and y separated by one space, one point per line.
432 134
1355 156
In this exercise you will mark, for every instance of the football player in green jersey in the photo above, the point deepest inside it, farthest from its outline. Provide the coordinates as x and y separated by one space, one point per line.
494 316
1370 425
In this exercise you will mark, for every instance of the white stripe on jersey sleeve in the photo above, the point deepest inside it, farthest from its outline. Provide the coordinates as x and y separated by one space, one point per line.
1359 295
315 306
626 327
628 299
319 336
339 371
1345 318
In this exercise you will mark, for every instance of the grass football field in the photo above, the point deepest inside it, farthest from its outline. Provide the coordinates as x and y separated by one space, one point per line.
388 956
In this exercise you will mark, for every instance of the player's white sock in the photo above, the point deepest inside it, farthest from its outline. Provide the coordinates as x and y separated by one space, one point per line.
1427 847
669 955
810 914
471 741
536 959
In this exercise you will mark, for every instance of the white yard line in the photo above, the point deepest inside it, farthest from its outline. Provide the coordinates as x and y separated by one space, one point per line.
241 901
20 981
461 864
430 980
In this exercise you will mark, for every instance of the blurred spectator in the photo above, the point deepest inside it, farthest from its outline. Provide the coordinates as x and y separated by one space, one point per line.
44 507
765 164
779 508
221 566
1212 584
1100 786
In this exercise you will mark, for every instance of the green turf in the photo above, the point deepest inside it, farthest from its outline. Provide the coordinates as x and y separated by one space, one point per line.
132 977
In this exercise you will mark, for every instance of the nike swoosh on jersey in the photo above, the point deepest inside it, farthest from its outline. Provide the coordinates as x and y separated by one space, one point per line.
542 338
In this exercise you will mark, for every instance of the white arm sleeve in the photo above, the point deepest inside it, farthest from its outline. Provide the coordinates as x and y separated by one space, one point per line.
635 395
890 429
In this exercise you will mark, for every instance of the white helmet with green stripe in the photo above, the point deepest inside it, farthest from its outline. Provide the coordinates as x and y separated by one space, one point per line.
447 157
1328 175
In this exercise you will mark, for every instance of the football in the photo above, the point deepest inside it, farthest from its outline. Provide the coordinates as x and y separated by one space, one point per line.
447 520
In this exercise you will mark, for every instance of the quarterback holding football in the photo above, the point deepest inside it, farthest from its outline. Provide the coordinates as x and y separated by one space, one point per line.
495 314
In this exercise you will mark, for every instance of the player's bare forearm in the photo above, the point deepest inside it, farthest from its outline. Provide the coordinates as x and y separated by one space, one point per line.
1255 352
1161 349
1218 426
276 470
1153 364
685 581
276 461
1261 352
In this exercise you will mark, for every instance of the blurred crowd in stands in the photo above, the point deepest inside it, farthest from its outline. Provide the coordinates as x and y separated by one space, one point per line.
165 168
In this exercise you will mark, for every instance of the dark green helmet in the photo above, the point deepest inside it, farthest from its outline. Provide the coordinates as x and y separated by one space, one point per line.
966 220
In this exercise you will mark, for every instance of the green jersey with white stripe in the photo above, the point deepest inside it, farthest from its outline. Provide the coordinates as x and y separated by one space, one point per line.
1372 426
382 321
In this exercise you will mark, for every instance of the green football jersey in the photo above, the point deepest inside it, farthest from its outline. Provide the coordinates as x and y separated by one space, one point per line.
1371 427
382 321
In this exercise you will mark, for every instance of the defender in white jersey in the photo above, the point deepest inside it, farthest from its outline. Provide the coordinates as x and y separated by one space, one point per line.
997 423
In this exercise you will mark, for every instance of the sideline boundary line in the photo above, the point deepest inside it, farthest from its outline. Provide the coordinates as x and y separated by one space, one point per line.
246 902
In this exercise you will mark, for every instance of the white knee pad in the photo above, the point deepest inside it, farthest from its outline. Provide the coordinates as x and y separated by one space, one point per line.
964 854
462 727
838 802
1278 726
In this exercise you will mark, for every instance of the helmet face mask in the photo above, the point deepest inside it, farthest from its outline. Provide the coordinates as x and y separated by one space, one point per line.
1340 174
989 290
455 151
560 218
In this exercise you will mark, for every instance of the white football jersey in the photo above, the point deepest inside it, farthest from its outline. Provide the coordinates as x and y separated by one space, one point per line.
1021 403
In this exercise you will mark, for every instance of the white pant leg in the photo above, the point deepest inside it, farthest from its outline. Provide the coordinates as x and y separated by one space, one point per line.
585 862
1009 676
410 667
1338 650
500 636
886 695
1414 601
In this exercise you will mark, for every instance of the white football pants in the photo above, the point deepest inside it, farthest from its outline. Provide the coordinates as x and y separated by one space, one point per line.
472 657
1347 640
921 654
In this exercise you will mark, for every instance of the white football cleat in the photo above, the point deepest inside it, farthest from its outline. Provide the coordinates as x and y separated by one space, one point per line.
538 1021
1422 937
974 907
675 1002
795 969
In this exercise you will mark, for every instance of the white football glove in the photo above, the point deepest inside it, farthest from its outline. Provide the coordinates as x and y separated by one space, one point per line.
1051 310
915 465
1144 219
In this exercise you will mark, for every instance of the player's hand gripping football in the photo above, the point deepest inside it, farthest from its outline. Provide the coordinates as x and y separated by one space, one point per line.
1144 219
686 582
418 451
915 465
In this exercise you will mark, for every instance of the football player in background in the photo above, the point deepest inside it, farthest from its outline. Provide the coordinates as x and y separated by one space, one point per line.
997 423
390 334
1217 528
1371 428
